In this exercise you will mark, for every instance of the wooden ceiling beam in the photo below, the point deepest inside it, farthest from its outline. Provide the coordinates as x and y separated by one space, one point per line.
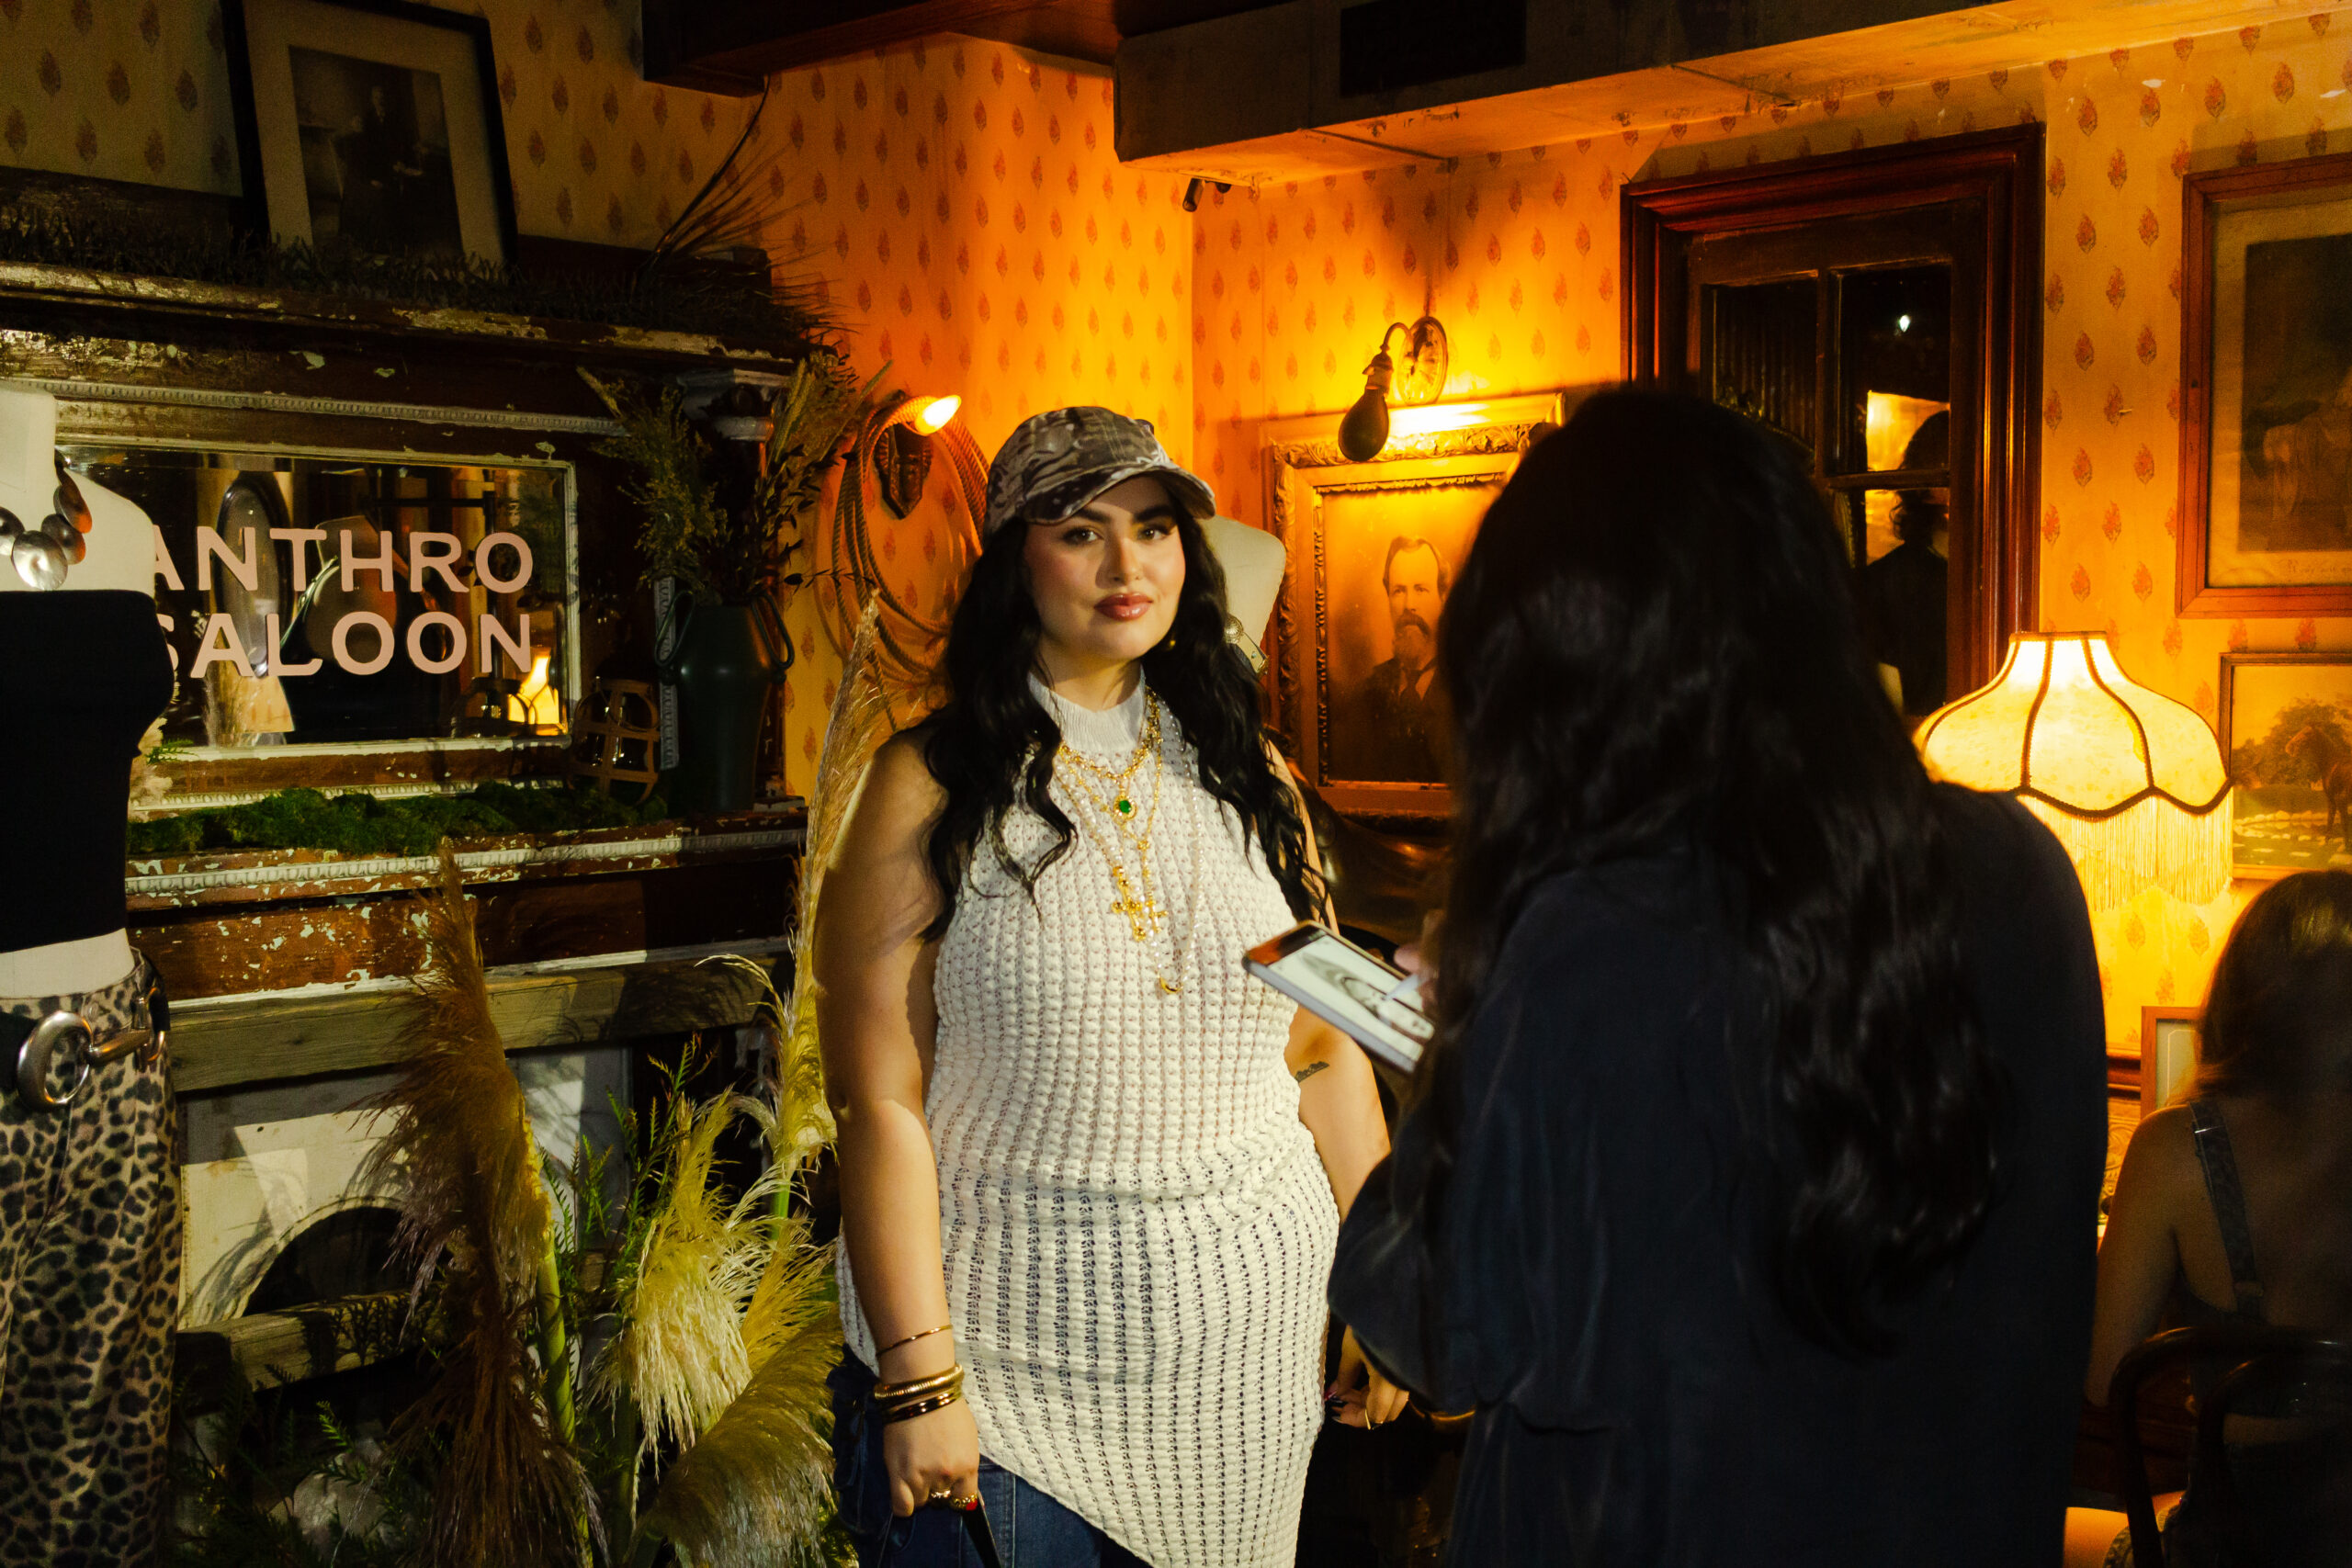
731 46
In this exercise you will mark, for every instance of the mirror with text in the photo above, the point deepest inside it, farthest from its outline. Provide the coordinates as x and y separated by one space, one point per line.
328 601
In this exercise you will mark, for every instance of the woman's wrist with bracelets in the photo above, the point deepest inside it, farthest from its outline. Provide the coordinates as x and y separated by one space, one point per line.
918 1396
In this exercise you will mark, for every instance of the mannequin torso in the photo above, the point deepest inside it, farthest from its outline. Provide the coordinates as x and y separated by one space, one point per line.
120 558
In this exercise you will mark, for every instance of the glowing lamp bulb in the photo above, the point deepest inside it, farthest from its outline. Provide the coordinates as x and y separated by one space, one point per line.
932 413
1363 430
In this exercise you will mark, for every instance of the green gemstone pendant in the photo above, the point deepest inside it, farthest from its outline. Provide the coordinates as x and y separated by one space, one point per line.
1123 807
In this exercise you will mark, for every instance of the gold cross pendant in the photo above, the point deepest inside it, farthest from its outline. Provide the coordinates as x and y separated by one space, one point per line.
1144 915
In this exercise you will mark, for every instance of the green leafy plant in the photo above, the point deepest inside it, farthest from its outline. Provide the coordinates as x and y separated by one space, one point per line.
600 1381
723 550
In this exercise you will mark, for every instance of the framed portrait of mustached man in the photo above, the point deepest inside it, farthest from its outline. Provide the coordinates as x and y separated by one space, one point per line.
1374 548
2265 521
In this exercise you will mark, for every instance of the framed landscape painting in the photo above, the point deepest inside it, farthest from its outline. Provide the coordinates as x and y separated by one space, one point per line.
2266 500
2287 731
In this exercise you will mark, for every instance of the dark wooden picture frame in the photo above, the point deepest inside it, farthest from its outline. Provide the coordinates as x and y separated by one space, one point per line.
2232 663
2204 200
1992 183
1311 660
276 173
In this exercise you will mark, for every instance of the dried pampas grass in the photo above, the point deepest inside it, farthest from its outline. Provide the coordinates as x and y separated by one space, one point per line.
757 1488
473 1213
679 1356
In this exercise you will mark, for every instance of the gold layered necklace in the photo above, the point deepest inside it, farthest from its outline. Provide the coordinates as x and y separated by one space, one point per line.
1118 819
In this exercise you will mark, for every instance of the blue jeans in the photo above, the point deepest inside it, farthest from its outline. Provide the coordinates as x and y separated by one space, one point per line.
1031 1530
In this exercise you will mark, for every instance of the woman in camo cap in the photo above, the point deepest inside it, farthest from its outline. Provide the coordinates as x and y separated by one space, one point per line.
1086 1231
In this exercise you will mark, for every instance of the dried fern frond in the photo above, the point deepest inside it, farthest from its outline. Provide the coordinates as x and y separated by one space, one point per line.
758 1486
458 1146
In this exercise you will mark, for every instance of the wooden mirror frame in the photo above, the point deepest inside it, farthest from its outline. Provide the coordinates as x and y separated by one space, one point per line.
1998 173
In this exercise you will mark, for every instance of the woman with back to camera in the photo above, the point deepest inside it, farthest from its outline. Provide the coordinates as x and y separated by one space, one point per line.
2243 1195
1750 1191
1086 1234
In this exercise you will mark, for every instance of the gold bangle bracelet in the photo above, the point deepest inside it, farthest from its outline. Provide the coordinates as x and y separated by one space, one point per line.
921 1406
917 1388
902 1344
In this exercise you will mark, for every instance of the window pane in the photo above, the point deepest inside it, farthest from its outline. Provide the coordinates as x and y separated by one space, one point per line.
1763 351
1894 337
1904 586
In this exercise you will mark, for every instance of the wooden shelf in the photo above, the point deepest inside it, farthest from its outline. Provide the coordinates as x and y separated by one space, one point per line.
239 1041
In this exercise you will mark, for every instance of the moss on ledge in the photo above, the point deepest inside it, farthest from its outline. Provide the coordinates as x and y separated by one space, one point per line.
358 824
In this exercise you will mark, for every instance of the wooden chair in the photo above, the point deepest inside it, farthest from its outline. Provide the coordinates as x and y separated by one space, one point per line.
2273 1373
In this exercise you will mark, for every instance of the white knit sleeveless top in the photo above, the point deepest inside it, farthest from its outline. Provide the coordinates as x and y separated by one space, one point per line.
1137 1231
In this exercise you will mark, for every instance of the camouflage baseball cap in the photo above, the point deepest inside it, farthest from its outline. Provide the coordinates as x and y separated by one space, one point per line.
1056 462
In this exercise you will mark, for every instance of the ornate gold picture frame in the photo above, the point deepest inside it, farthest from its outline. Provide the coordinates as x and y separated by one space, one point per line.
1374 548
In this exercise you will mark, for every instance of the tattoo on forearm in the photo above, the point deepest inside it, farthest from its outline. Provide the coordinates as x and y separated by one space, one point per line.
1309 1070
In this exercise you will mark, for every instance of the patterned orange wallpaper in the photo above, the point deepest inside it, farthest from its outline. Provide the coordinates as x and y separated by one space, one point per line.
138 90
962 201
979 237
1518 251
2124 127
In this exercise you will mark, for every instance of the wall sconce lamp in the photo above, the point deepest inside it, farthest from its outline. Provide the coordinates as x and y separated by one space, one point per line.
1363 429
2132 783
902 452
1192 193
927 415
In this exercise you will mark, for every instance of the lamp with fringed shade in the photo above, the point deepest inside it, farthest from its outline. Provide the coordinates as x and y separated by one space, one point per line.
2132 783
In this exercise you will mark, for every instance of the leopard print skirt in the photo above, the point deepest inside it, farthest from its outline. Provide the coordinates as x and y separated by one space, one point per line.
89 1294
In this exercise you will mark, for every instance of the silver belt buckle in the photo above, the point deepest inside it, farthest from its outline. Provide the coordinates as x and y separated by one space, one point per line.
62 1041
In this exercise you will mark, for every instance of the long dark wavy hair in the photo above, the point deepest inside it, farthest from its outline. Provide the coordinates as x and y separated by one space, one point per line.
2278 1016
1653 644
991 743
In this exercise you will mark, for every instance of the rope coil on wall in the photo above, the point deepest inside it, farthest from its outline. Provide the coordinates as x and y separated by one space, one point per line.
849 567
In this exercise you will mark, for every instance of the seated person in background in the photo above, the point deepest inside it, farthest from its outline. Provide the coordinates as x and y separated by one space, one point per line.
2237 1207
1903 594
1749 1194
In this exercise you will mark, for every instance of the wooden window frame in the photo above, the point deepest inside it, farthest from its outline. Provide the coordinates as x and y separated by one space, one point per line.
1999 170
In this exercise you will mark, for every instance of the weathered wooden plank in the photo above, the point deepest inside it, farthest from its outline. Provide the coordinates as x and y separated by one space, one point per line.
262 1039
274 1349
282 946
247 877
426 762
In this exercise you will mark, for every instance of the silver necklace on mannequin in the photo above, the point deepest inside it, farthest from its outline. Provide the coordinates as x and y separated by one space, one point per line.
42 555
